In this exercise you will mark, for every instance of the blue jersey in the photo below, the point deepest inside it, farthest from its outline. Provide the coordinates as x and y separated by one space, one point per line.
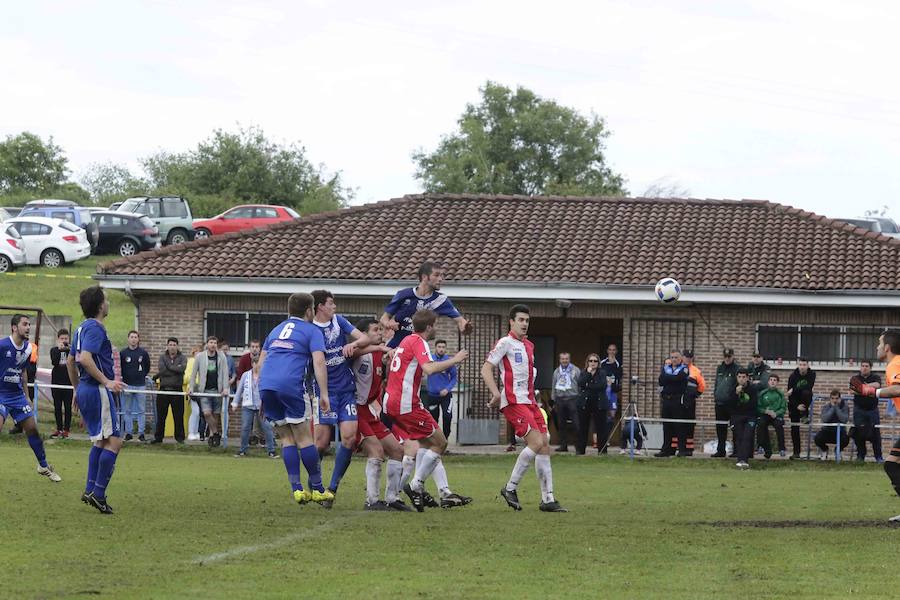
289 349
335 333
91 337
12 363
406 302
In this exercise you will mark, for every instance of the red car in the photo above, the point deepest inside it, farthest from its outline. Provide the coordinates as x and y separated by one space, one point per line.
242 217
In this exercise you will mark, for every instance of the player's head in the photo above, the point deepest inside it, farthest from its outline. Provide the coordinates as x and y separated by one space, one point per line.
440 347
254 348
865 367
519 317
676 357
743 376
212 344
62 337
888 344
757 358
172 345
773 380
93 302
803 365
300 305
323 305
372 328
431 273
134 338
20 325
423 323
564 359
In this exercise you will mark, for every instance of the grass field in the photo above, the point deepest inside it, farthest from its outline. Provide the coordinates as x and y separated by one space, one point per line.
192 522
56 291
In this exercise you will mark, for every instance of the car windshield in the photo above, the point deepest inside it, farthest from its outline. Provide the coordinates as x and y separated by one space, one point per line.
291 212
68 226
129 205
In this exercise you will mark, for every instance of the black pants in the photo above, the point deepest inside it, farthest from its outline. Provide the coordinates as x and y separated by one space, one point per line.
162 411
723 413
864 421
688 410
744 427
441 411
670 408
762 433
796 415
567 420
828 435
590 410
62 408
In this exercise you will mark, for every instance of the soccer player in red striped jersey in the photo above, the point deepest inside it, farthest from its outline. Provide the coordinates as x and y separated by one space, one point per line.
411 360
514 356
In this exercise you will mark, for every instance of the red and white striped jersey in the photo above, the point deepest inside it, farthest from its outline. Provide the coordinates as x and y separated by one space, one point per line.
405 375
515 358
369 372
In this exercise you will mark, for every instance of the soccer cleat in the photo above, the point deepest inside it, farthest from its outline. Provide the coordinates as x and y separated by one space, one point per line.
302 496
553 506
511 497
400 506
376 506
742 465
99 504
894 519
85 499
417 498
273 455
429 500
451 500
324 499
49 473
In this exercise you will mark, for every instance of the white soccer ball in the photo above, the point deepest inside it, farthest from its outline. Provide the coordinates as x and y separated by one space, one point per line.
668 290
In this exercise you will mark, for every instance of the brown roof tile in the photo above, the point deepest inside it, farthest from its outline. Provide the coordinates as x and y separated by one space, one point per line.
606 241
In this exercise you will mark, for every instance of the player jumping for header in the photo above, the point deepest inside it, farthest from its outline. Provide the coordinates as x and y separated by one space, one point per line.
514 355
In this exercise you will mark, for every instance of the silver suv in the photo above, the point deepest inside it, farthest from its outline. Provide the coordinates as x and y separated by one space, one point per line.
171 214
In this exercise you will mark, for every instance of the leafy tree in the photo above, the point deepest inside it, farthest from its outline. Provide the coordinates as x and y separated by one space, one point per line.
109 182
28 163
519 143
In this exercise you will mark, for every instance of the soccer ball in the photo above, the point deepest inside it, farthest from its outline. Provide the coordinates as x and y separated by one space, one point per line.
668 290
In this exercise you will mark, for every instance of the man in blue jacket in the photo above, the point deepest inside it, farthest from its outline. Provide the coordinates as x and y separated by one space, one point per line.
440 388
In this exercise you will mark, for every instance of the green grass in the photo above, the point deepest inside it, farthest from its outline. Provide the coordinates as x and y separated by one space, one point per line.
192 522
56 292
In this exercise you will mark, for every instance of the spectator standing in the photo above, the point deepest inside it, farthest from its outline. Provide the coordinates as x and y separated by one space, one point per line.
247 398
135 367
194 419
62 398
673 379
210 378
592 403
771 407
224 347
438 399
613 370
696 385
865 415
246 361
564 393
800 394
836 411
759 373
170 373
724 394
743 418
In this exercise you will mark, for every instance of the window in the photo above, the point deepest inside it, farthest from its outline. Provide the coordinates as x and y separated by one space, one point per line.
776 341
264 212
12 232
861 343
174 207
150 208
238 328
291 212
821 344
32 228
64 215
239 213
835 344
261 324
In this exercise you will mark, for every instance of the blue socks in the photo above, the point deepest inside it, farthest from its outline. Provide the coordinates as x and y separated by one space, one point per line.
310 457
341 463
106 466
93 467
37 446
291 458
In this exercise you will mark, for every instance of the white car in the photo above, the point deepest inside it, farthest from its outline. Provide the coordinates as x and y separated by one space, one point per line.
12 249
51 242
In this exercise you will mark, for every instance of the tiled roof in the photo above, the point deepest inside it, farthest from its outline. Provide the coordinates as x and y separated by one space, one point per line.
606 241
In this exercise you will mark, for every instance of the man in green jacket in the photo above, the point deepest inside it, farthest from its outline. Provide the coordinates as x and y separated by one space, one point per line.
771 408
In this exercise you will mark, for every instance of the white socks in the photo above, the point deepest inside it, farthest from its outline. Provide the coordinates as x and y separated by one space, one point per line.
545 476
440 478
394 477
409 463
526 456
424 467
373 479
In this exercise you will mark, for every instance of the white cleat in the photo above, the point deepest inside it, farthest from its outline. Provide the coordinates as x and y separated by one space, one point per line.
742 465
49 473
895 519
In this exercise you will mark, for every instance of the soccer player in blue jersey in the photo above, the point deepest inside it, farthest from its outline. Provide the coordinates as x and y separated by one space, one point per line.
283 367
341 341
95 388
15 351
426 296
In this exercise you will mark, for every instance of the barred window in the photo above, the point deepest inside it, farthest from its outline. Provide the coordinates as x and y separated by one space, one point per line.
841 345
238 328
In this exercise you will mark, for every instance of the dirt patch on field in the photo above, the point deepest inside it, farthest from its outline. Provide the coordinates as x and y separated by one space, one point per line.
881 524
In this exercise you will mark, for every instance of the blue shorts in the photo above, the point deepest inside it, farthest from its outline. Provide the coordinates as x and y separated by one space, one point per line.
342 408
98 408
18 407
282 408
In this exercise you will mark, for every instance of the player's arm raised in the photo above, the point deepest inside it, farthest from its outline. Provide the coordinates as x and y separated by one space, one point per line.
321 372
432 367
388 322
464 325
87 361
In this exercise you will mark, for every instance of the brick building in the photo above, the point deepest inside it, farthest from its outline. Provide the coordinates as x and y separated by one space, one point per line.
755 275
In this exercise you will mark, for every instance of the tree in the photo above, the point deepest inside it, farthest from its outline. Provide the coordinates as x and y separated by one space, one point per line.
109 182
29 164
666 187
519 143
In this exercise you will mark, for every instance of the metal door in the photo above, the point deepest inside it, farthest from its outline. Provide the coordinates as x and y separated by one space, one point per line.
477 424
649 342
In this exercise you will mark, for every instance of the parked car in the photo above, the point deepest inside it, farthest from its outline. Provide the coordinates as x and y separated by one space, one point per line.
888 226
125 234
4 215
51 242
115 205
12 211
243 217
171 214
65 210
12 250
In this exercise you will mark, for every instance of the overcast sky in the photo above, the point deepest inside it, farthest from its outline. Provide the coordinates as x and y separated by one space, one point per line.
796 102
